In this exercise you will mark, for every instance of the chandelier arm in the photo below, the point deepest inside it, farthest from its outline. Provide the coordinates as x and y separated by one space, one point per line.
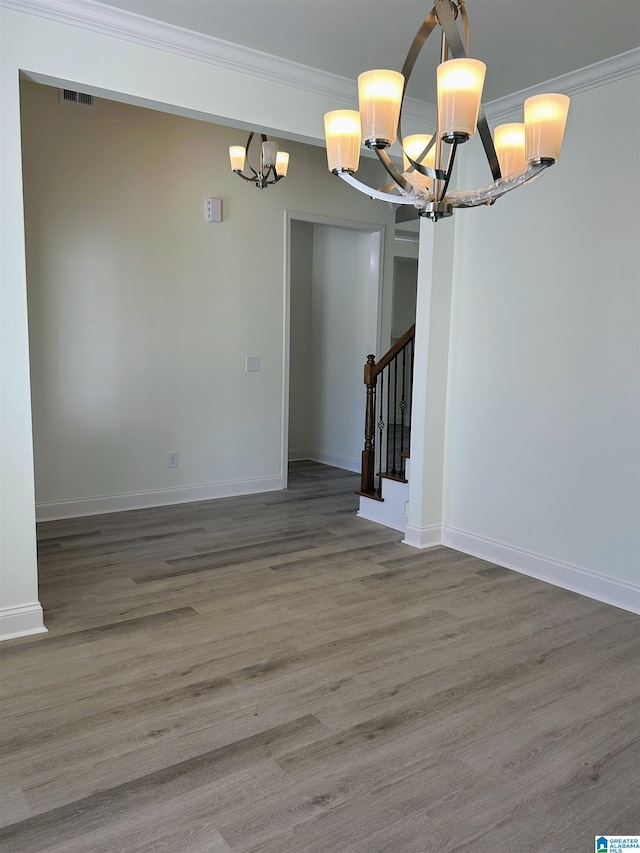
428 171
452 158
379 194
276 177
425 202
428 26
487 195
258 176
397 176
248 162
465 23
458 51
488 145
450 28
244 177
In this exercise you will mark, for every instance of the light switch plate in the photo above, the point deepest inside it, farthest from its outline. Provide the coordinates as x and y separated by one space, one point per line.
213 210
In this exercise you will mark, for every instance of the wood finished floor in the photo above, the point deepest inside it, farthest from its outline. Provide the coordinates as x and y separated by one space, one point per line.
271 674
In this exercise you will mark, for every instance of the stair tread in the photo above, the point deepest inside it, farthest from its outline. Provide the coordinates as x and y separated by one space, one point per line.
372 497
395 477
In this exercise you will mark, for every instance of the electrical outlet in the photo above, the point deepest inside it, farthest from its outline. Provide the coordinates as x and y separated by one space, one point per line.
173 459
253 364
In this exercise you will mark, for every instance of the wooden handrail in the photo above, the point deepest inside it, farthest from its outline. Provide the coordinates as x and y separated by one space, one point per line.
388 357
371 373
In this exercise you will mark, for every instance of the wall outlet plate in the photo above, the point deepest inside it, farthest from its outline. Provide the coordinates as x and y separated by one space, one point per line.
172 459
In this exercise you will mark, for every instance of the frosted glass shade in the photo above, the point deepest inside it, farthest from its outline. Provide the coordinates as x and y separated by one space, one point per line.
460 83
343 137
545 117
414 146
509 144
237 155
380 96
269 153
282 163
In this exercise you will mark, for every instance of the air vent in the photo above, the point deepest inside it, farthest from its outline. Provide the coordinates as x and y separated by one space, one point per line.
68 96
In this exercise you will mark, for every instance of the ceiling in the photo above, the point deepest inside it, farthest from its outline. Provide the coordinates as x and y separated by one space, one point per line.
523 42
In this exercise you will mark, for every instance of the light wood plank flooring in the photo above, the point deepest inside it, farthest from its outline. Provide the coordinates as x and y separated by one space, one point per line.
271 674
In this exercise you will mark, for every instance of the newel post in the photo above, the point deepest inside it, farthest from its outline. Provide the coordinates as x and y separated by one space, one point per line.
368 454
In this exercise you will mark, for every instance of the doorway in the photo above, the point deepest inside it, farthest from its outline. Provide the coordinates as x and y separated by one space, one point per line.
334 290
405 277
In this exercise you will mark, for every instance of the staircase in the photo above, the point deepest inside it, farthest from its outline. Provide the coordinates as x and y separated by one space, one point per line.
384 480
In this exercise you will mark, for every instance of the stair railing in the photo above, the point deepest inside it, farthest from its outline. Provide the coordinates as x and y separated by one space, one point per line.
387 422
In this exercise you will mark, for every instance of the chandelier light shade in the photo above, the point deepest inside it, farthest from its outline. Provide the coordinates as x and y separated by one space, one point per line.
343 134
269 153
545 118
509 140
380 97
521 151
273 164
460 83
237 155
282 164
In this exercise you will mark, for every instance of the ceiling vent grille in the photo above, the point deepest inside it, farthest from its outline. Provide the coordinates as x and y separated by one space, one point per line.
68 96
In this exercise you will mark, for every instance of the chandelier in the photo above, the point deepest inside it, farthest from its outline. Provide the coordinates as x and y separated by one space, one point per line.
519 153
273 163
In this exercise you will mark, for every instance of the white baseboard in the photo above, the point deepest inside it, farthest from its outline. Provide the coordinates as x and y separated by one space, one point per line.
348 463
303 455
333 459
592 584
21 621
52 510
423 537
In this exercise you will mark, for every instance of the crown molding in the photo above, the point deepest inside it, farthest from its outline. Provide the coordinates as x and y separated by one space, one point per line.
590 77
129 26
109 20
